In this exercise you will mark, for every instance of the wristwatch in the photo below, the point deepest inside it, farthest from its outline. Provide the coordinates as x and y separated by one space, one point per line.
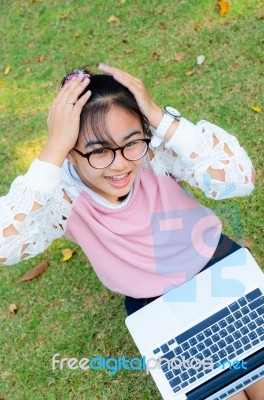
170 114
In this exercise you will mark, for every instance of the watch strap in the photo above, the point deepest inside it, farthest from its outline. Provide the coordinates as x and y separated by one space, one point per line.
161 130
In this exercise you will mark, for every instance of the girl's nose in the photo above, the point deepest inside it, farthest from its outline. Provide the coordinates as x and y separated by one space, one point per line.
120 162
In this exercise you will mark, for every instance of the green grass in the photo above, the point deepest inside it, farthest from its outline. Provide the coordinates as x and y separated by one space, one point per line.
67 310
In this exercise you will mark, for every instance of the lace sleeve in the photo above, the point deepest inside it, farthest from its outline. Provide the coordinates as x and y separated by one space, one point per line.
210 153
30 220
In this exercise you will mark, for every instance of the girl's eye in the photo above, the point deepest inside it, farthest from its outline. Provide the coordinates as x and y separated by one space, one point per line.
131 144
100 151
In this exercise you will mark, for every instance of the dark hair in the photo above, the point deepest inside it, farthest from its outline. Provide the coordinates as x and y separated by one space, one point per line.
107 92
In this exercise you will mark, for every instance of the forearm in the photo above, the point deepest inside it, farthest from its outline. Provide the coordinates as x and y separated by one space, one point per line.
53 153
33 213
208 157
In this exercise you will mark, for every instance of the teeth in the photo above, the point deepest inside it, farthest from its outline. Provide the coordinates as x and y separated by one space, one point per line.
119 177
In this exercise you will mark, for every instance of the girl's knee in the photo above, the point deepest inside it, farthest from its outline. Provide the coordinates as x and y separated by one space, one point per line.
256 391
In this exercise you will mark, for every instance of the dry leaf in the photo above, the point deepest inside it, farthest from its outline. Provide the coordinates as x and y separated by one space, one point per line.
190 73
179 56
1 83
40 58
13 308
122 1
4 107
224 7
112 19
64 16
262 16
155 56
35 272
248 242
67 254
7 69
128 52
162 27
197 27
256 109
76 35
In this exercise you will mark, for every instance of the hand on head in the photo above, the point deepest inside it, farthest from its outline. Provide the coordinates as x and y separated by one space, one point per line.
145 102
64 115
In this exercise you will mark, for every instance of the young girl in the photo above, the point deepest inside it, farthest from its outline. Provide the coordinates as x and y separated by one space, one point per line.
107 180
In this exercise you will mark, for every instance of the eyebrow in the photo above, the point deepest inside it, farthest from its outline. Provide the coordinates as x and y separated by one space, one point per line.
105 143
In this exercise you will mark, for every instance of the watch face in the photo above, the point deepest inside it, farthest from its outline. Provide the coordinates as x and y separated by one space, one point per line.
173 112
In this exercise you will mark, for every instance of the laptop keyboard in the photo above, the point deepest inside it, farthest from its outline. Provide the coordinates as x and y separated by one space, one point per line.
223 336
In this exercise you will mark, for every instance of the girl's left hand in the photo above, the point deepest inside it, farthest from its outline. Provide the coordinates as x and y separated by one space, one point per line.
145 102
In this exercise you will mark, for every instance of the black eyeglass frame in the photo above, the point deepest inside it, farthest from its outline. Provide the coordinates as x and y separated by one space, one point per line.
88 155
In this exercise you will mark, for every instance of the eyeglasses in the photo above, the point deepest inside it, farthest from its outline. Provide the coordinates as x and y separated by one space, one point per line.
103 157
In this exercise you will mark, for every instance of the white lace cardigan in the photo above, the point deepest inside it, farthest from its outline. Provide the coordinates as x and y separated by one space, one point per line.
187 156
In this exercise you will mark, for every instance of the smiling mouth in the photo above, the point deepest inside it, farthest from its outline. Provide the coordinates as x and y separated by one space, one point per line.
119 181
118 178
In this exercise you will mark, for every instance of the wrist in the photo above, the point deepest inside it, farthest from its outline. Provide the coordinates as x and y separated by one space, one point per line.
54 153
167 126
157 117
172 129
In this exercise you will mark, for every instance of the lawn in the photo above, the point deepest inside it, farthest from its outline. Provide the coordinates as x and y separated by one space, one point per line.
67 310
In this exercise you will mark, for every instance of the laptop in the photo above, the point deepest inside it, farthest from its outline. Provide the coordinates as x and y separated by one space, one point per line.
205 338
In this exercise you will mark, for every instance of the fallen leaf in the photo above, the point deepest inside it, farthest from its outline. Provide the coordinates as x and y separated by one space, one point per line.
112 19
262 16
64 16
13 308
40 58
26 61
191 72
122 1
155 56
7 69
29 69
197 27
162 27
256 109
35 272
179 56
248 242
128 52
1 83
4 107
224 7
67 254
200 59
76 35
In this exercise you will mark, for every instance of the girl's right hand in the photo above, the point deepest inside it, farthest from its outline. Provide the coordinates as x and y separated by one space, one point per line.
64 114
64 120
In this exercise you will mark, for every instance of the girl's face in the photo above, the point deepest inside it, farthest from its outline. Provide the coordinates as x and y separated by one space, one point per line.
117 179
